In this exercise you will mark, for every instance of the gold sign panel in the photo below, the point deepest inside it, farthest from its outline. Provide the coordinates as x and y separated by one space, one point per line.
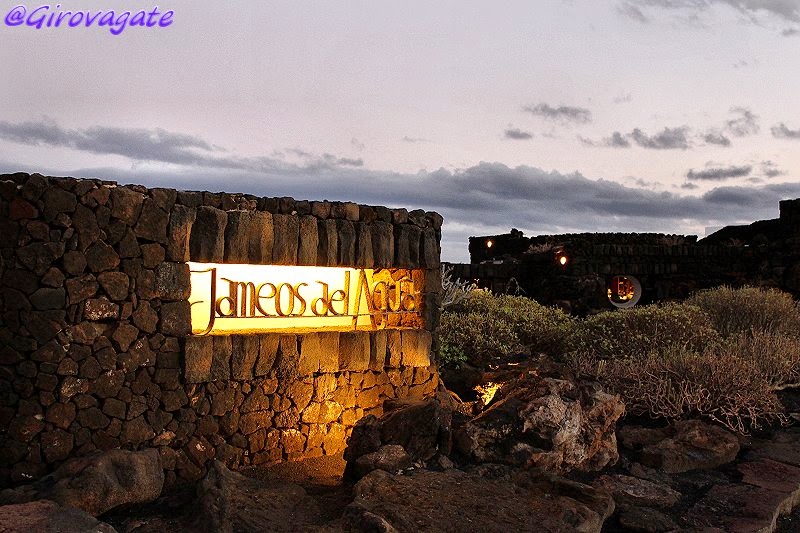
233 298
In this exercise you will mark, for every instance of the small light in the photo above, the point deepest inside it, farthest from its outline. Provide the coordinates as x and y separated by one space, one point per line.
489 244
562 260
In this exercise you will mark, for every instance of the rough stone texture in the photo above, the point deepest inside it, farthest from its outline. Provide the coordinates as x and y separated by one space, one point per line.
152 223
179 229
327 252
346 235
198 359
749 508
207 243
44 516
284 247
115 284
391 458
172 281
459 501
126 204
98 483
319 352
364 247
646 520
416 348
237 237
574 424
243 359
228 502
422 428
686 445
627 490
308 241
354 351
176 318
95 347
260 241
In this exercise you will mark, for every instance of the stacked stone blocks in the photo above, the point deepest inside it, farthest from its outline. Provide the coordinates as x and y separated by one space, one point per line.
95 343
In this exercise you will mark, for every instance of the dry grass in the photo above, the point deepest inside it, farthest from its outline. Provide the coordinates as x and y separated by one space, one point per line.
679 383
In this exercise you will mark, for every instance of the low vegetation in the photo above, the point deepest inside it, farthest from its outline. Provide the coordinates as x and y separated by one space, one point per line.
636 332
483 328
721 355
737 311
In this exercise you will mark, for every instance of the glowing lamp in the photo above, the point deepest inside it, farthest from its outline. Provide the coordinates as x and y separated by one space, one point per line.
562 260
489 244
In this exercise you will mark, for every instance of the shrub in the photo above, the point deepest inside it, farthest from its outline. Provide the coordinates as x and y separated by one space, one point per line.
635 332
538 328
677 383
775 355
475 337
735 311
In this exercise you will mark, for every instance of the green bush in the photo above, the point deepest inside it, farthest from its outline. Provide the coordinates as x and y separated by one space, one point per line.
735 311
451 355
475 337
538 328
635 332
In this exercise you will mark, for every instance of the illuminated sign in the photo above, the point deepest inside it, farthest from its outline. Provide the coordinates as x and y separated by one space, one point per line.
233 298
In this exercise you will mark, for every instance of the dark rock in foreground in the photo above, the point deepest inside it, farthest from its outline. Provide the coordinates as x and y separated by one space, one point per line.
685 445
97 483
229 502
547 423
44 516
477 501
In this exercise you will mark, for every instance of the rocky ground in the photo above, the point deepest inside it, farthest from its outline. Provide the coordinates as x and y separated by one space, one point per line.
543 455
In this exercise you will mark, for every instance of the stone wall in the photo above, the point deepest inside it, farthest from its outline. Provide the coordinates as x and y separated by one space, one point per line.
764 253
95 343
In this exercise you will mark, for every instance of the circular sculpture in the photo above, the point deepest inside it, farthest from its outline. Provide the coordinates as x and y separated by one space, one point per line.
624 291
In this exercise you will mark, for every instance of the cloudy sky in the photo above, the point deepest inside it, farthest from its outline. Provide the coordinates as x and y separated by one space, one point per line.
548 116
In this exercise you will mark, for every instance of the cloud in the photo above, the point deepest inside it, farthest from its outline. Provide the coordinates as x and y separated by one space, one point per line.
716 138
745 64
615 140
358 145
689 186
413 140
744 123
771 170
517 134
639 182
562 113
632 12
623 99
781 131
719 173
754 10
668 139
158 145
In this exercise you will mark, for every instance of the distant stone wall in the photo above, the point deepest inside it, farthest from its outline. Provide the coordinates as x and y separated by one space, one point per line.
96 350
765 253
